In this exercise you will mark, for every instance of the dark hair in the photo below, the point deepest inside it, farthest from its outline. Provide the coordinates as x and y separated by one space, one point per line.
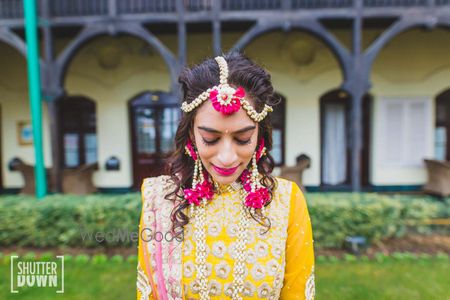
194 81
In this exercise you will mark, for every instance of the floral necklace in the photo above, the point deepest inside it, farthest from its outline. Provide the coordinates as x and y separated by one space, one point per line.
253 196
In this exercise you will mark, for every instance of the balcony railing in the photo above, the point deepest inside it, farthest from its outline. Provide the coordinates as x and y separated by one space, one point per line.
13 9
65 8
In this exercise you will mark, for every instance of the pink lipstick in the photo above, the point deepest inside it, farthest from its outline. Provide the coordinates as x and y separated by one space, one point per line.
225 171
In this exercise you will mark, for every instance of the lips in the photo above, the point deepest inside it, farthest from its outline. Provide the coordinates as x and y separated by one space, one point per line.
225 171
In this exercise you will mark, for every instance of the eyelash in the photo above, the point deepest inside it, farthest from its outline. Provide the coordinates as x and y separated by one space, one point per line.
210 143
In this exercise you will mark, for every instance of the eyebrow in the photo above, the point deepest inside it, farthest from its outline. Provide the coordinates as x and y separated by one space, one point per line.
245 129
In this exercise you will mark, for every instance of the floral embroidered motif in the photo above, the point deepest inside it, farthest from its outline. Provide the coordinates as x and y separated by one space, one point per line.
228 289
264 290
219 249
251 256
232 250
258 272
232 230
215 288
214 229
189 269
277 251
222 270
222 211
249 289
272 267
195 287
261 249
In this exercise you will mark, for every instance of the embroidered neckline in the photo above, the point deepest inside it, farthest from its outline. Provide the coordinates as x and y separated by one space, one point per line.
226 188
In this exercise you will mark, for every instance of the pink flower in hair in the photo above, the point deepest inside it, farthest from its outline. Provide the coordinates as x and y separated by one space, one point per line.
226 99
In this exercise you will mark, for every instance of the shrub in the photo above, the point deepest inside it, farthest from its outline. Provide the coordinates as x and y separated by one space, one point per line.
99 259
74 221
82 259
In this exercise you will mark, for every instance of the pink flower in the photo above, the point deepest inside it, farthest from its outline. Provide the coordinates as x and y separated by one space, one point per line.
245 179
260 149
191 149
226 99
258 198
192 196
203 190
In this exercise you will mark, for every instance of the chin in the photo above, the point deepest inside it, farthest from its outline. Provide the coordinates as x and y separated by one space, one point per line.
227 179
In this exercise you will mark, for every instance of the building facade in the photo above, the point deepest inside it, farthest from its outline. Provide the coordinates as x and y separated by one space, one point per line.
365 85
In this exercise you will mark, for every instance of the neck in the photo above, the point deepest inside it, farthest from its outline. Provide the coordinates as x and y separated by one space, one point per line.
229 187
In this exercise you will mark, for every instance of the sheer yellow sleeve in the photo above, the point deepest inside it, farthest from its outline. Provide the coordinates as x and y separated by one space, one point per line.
299 273
144 290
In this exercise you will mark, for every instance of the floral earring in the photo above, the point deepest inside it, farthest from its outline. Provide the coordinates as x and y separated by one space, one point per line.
202 188
257 195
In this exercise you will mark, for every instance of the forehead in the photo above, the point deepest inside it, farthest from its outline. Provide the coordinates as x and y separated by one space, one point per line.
208 116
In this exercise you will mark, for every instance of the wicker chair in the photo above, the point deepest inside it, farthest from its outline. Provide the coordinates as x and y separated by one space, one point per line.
295 173
28 178
438 178
79 180
74 181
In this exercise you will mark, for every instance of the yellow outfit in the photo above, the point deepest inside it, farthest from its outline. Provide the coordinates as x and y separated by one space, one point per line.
280 263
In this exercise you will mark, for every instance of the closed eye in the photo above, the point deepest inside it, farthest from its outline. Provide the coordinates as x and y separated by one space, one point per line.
243 142
212 142
209 143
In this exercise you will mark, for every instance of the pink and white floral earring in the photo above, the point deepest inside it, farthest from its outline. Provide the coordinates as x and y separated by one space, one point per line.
257 195
202 188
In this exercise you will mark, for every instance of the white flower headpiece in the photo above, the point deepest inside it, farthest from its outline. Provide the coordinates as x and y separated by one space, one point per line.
225 98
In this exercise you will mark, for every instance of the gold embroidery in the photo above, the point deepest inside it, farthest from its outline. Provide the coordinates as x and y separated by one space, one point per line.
142 283
265 251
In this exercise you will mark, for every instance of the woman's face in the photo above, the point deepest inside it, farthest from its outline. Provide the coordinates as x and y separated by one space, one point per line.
225 143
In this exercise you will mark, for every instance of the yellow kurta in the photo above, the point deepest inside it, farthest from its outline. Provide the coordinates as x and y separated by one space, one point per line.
280 263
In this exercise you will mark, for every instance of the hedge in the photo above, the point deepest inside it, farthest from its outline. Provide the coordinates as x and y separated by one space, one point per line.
374 216
60 220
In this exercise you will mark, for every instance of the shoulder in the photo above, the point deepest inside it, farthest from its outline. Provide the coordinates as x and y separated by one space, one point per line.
285 187
154 188
154 182
291 193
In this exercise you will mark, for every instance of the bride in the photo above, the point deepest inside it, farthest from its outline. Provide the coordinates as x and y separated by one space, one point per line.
221 226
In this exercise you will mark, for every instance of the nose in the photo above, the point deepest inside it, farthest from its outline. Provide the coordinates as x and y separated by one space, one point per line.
227 156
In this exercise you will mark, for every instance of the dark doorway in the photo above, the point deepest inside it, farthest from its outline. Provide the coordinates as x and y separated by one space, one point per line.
335 136
154 118
78 134
442 128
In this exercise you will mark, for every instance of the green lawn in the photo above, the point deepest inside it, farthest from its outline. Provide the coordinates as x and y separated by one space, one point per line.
419 279
388 280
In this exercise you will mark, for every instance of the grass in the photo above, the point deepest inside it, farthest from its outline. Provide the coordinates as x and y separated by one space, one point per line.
419 279
389 279
82 282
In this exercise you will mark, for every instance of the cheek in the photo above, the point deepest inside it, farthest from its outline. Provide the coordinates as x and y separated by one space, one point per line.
205 152
246 152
